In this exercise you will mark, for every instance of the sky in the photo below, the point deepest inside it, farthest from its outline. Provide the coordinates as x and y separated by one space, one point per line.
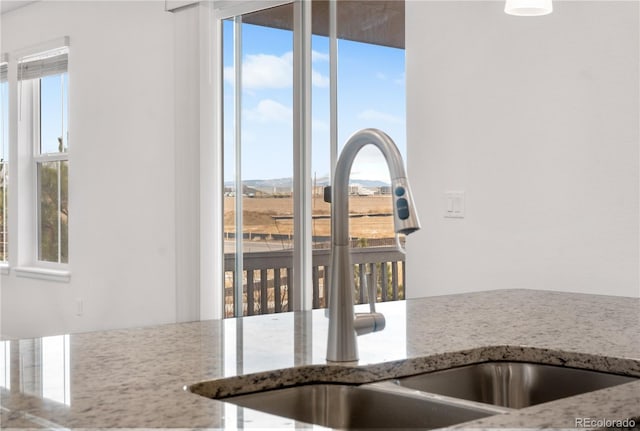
371 93
53 122
53 110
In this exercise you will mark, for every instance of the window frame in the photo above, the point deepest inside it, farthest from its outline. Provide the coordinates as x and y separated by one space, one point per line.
38 159
25 145
4 258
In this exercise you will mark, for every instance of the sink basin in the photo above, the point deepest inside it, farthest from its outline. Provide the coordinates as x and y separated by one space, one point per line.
512 384
366 406
430 400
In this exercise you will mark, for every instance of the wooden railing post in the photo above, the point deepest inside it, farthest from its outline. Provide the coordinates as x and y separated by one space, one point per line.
289 290
374 280
316 287
264 305
361 283
394 279
277 295
385 277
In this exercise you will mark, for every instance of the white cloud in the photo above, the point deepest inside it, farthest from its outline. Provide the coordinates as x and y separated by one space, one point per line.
319 80
319 56
261 71
381 76
318 125
267 71
270 111
264 71
373 115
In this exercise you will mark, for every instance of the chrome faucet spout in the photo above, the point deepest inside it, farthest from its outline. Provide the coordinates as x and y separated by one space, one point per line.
343 324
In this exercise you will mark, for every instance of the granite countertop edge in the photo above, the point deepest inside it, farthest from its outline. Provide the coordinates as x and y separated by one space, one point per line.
362 374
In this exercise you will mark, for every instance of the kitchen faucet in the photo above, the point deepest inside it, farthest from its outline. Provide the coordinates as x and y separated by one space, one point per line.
343 323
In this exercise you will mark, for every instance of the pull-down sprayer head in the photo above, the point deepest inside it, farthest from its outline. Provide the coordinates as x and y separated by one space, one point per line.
405 218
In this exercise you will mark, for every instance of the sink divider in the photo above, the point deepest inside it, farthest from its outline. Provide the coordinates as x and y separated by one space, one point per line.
392 388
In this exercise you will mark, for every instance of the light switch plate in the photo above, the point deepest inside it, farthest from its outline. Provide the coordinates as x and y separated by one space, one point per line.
454 204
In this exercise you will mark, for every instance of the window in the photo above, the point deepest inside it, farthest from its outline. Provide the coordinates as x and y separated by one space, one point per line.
43 81
353 47
52 167
4 161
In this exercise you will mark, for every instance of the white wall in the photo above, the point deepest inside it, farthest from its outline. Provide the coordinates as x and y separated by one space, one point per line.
122 196
537 121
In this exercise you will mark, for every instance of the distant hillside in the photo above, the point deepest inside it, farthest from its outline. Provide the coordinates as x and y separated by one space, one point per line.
368 183
287 183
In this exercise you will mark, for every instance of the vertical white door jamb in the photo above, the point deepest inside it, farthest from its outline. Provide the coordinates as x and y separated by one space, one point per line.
302 254
211 181
237 108
333 84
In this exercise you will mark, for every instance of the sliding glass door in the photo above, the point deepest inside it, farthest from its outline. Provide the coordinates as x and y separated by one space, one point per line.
298 79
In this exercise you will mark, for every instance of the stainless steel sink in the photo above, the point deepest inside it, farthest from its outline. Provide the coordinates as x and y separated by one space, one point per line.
430 400
512 384
366 406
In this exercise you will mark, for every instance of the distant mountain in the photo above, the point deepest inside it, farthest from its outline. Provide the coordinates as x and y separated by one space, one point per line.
368 183
262 184
287 183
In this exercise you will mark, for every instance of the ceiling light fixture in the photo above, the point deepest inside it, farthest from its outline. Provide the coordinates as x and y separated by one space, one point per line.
528 7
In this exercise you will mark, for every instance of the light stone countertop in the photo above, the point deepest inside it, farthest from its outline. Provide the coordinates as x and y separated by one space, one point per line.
135 378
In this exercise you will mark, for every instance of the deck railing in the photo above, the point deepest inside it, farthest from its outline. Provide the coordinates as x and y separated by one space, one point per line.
266 277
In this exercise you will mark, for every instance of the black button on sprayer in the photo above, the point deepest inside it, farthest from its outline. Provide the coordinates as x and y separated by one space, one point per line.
402 205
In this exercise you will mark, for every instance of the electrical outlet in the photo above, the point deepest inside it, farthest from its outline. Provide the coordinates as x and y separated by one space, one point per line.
79 307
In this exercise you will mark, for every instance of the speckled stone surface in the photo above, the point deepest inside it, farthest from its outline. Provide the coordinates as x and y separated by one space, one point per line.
136 378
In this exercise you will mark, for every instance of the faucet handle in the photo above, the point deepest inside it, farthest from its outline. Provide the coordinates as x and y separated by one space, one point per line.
326 194
366 323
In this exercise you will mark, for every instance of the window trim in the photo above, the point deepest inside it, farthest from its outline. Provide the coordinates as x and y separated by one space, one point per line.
55 44
43 272
27 263
4 261
38 159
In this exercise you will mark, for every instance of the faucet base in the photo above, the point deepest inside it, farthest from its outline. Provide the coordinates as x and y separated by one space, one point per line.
344 327
342 345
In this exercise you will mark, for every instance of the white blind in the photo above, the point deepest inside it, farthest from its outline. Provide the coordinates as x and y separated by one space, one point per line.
44 64
3 72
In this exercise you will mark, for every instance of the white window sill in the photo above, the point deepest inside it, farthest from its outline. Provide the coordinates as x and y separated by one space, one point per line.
60 275
4 269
